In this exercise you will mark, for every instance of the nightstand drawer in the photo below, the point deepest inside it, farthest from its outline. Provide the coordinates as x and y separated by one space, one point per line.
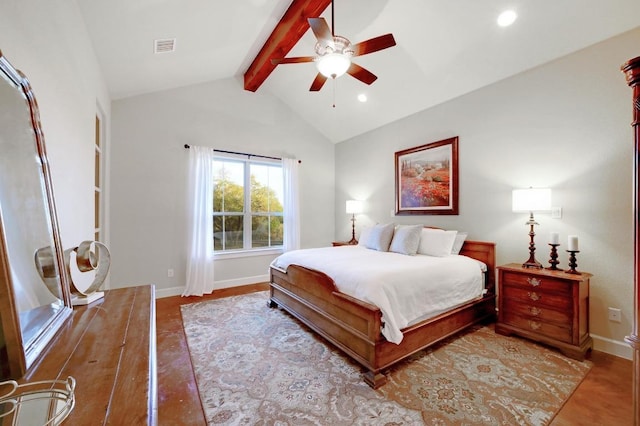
536 282
554 331
537 297
538 312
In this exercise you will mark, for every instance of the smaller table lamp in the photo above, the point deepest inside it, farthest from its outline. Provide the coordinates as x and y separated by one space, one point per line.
353 207
530 200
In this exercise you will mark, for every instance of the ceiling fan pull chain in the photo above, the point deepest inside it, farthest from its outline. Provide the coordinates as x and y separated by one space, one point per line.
334 90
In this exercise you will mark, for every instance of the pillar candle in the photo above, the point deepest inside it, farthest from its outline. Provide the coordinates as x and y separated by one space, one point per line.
554 238
572 243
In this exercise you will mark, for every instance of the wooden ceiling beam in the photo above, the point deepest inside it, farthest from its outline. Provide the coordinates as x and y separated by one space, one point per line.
285 35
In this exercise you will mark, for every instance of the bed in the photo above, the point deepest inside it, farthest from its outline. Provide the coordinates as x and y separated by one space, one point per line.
356 327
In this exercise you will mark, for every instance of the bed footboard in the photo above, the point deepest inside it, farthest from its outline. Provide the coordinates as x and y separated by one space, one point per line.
350 324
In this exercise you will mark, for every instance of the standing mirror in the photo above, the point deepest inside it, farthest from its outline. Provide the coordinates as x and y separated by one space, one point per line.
34 295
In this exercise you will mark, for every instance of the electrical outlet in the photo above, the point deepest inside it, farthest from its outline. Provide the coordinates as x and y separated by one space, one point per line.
170 273
615 315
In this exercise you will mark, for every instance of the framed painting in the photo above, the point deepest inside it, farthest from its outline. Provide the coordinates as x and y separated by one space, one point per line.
427 179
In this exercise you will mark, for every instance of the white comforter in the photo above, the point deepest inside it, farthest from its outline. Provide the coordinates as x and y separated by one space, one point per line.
405 288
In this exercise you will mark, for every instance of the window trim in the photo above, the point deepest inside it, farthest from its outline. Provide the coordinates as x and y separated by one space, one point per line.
256 252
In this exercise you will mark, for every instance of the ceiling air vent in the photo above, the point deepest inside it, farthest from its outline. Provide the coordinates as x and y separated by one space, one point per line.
164 45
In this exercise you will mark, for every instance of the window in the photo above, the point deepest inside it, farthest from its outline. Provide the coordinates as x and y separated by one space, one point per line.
247 204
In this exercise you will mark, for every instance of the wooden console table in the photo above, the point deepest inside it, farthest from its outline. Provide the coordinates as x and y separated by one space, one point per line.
109 347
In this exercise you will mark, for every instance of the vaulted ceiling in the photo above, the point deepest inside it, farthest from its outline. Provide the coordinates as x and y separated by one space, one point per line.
444 48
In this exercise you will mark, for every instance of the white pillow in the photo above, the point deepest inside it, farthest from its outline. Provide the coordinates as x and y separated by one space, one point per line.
458 242
380 237
406 239
436 242
365 234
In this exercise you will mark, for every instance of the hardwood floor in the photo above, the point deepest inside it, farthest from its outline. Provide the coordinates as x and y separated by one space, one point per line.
178 399
603 398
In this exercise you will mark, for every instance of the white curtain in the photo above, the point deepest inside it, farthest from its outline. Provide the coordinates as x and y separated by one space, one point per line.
200 222
291 204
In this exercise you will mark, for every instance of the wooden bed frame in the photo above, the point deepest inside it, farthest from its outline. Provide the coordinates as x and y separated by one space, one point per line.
355 326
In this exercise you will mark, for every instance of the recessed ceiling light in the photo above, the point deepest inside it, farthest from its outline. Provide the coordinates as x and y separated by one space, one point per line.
362 97
507 18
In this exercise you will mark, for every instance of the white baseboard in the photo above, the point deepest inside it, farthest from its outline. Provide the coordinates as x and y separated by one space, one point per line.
613 347
237 282
168 292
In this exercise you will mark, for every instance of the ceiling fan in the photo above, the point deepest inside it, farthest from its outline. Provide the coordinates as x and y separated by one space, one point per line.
334 53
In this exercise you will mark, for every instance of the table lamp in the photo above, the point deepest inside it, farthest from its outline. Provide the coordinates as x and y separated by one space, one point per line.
353 207
531 200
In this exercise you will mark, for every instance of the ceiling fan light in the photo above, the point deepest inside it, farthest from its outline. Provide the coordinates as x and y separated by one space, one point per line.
333 65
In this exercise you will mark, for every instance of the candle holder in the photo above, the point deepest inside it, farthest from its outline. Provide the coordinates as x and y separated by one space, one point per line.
554 258
572 262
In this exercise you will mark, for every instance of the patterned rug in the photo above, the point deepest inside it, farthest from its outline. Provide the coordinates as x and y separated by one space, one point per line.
260 366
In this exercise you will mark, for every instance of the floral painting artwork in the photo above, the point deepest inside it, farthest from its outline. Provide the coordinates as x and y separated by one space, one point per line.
427 179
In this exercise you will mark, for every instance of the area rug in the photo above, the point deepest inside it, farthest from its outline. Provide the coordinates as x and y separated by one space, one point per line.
255 365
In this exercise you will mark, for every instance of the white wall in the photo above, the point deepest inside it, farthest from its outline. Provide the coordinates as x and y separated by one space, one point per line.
564 125
148 176
49 43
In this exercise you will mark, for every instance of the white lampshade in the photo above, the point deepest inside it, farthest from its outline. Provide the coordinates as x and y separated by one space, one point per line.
354 206
531 200
333 65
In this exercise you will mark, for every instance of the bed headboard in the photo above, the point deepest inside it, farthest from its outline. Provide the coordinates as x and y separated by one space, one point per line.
484 252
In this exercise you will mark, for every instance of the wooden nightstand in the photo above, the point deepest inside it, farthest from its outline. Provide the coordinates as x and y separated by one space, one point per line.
342 243
550 307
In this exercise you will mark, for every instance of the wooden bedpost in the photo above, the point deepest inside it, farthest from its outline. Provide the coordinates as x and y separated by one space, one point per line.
631 70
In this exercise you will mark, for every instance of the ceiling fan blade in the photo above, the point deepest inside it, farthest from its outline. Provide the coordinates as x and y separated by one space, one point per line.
318 83
321 30
295 60
361 74
374 44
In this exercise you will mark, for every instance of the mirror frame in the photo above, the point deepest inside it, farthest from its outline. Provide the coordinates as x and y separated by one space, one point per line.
15 357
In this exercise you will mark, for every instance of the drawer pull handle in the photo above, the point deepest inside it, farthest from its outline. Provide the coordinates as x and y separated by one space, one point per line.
534 296
534 281
535 311
535 325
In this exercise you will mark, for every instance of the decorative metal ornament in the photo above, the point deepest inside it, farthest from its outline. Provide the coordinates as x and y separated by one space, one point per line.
46 268
90 256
